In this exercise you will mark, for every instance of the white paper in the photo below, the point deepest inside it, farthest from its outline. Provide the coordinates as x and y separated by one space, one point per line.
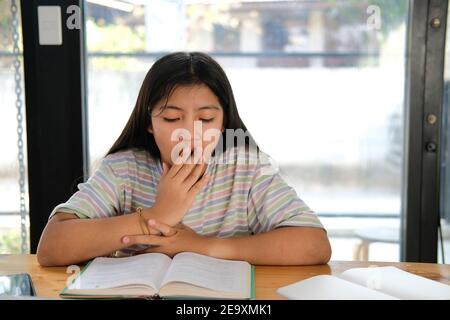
49 25
398 283
325 287
104 273
210 273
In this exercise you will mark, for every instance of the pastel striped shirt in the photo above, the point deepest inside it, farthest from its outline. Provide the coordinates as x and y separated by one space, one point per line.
245 194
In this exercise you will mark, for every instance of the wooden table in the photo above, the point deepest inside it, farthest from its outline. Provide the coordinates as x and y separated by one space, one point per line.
50 281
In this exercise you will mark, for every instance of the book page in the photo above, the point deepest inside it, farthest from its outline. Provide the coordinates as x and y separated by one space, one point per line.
398 283
325 287
103 273
211 273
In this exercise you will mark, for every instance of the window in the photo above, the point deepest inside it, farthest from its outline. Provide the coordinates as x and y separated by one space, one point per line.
14 223
334 126
444 242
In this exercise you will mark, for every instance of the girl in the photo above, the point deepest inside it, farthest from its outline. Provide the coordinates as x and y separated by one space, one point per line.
175 181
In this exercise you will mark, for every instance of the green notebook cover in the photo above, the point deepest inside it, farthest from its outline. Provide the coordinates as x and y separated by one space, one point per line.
253 289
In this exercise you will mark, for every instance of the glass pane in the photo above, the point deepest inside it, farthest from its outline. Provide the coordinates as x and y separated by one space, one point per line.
444 246
10 219
331 112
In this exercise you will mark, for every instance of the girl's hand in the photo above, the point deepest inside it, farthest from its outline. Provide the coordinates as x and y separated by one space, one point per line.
172 240
177 189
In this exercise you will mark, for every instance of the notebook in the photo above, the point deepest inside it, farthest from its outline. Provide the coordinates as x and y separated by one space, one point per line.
157 276
374 283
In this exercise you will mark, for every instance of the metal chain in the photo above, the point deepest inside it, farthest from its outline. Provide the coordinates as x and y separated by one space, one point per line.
19 104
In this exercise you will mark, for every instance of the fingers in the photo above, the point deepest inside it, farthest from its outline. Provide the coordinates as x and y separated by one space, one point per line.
177 165
188 171
184 172
165 168
143 239
198 186
195 175
165 229
154 231
184 158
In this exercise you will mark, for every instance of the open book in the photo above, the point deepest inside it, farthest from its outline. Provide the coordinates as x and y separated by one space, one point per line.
155 275
374 283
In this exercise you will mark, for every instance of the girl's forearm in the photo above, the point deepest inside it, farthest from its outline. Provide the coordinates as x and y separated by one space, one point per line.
283 246
73 241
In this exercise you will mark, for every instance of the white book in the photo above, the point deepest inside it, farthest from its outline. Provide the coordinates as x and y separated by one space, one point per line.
373 283
155 275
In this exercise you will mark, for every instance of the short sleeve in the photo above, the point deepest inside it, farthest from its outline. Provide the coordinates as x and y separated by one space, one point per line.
272 203
98 197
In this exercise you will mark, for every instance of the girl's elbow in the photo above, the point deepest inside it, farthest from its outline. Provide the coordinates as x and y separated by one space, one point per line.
45 255
321 251
44 261
48 252
50 258
325 253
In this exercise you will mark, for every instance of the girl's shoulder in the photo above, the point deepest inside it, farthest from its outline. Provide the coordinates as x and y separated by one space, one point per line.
134 159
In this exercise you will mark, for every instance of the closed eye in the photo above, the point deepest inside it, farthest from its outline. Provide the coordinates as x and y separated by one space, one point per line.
171 119
207 120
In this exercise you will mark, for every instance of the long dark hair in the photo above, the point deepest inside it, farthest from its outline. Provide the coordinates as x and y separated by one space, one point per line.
167 73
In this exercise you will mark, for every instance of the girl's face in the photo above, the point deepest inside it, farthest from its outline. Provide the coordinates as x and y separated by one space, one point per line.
190 112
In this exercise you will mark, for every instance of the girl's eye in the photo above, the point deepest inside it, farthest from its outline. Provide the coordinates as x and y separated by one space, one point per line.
207 120
170 119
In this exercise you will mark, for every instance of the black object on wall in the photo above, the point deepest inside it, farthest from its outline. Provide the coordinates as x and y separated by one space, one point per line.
423 110
55 112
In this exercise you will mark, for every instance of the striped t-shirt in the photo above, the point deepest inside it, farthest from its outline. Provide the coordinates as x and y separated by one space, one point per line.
244 195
